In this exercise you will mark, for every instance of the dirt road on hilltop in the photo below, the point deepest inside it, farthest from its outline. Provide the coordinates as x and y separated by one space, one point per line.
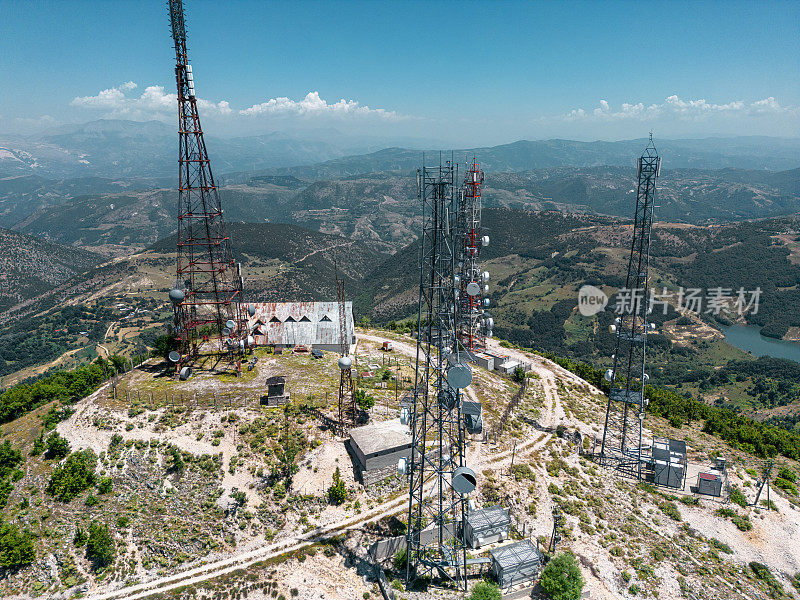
247 558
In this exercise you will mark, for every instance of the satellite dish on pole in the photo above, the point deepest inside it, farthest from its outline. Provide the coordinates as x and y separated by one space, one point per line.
185 373
176 296
230 324
225 331
345 362
473 289
174 357
251 310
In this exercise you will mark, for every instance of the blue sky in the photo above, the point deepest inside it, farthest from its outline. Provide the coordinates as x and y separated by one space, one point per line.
489 72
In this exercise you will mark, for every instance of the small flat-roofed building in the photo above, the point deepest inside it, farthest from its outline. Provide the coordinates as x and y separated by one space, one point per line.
508 366
709 484
376 449
516 563
312 325
487 526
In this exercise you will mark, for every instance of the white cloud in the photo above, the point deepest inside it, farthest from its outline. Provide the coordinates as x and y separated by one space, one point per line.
154 101
312 104
675 107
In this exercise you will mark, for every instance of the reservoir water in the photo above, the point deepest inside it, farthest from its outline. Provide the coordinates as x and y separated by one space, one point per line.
748 338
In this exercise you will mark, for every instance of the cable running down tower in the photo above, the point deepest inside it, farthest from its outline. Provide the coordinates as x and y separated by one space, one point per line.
207 297
622 434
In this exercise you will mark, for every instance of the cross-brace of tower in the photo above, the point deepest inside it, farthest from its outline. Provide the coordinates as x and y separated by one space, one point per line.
438 477
347 400
471 327
208 295
622 434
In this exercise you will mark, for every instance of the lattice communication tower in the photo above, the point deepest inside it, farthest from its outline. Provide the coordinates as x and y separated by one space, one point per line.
622 434
208 300
438 477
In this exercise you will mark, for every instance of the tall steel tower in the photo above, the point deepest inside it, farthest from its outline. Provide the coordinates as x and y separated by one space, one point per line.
347 403
473 284
438 478
622 435
208 294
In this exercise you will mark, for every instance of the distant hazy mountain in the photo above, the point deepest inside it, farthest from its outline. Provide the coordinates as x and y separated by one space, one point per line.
146 151
774 154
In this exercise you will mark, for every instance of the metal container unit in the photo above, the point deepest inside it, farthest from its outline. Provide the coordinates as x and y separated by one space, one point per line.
709 484
487 526
516 563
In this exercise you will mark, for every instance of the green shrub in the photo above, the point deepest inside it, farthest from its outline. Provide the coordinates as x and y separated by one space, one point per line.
522 471
742 522
364 400
690 500
764 574
105 486
561 579
337 493
100 547
485 590
74 476
16 547
721 546
399 560
787 474
669 509
80 538
56 446
785 485
737 497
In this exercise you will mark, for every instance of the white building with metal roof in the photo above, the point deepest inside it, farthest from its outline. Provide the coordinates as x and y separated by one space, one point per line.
311 324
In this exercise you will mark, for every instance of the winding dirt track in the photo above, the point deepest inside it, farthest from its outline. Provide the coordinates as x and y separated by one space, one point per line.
244 559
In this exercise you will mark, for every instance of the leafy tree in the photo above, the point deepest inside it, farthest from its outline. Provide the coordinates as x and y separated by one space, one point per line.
74 476
100 547
16 547
9 459
57 446
117 362
163 345
363 400
337 493
485 590
518 375
562 579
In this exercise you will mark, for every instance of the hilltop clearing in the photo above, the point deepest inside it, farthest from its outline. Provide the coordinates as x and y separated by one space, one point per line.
205 448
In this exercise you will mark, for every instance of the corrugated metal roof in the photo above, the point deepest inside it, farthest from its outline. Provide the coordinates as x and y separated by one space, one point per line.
489 518
514 555
299 323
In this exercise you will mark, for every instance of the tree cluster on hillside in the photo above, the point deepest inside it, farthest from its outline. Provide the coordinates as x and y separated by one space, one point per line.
65 386
761 439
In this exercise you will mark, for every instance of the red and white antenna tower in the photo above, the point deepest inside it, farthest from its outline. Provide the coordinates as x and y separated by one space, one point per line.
208 302
473 323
